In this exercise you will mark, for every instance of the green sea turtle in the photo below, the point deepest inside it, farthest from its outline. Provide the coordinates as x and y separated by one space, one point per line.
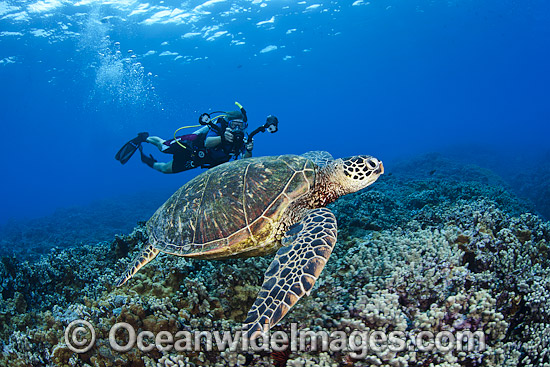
254 207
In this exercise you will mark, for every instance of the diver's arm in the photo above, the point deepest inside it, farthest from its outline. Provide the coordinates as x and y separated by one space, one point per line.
249 145
212 142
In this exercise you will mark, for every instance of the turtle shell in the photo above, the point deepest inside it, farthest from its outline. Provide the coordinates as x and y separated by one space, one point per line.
233 209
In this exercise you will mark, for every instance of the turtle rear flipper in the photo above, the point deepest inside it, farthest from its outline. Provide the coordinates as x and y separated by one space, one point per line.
146 255
294 270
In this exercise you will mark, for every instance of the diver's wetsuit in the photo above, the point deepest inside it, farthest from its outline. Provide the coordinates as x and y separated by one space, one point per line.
183 158
195 154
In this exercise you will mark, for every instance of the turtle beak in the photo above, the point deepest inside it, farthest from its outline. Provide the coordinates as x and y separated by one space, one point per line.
380 169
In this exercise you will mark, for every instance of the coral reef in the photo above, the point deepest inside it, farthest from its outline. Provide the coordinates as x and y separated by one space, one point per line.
532 183
522 172
426 254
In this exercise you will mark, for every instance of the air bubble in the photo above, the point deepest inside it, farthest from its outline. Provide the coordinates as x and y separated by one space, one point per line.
118 78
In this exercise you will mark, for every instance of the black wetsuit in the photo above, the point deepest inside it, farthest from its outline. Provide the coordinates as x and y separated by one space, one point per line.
195 154
183 156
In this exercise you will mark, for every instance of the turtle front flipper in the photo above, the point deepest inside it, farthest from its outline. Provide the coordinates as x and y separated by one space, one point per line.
295 268
146 255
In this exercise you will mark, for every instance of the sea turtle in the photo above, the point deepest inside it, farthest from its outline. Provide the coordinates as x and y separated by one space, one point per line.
254 207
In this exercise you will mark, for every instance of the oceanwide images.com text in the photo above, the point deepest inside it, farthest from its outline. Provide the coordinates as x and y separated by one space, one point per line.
80 337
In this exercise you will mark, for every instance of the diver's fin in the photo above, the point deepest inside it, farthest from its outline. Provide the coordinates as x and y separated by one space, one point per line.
128 149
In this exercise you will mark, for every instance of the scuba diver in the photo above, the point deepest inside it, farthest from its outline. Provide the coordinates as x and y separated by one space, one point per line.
220 139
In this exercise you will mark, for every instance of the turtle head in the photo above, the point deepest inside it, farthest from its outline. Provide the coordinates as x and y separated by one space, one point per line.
357 172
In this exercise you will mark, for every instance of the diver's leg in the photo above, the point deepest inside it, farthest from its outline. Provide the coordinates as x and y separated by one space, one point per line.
164 167
153 163
156 141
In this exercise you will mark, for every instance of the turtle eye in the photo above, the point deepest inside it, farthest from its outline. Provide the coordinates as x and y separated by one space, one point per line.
371 164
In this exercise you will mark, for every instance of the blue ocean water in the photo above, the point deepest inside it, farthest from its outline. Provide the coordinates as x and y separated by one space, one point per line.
389 78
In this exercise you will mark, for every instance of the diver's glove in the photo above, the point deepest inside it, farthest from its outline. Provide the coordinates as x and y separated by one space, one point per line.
249 145
148 160
227 136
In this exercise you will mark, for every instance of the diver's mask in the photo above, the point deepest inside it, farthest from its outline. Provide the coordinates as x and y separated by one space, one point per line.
237 125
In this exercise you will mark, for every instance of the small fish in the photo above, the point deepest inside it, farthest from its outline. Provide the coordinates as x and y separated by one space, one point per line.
432 172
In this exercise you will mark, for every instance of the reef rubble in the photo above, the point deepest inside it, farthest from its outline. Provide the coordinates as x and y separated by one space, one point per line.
435 253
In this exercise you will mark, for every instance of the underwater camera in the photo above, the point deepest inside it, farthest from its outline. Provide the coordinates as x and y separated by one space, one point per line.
238 139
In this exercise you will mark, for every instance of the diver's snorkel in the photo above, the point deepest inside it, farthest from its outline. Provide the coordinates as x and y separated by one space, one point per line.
243 111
